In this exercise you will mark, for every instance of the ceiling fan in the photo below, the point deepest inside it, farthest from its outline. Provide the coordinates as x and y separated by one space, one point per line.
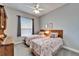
36 8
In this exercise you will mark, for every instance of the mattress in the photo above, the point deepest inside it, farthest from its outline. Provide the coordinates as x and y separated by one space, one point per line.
46 46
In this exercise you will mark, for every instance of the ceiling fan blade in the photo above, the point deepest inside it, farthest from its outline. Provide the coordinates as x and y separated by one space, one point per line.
41 9
30 7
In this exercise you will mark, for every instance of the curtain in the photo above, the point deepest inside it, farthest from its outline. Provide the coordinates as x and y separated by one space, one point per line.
19 26
32 26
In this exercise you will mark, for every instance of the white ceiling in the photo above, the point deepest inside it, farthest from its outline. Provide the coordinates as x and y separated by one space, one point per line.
48 7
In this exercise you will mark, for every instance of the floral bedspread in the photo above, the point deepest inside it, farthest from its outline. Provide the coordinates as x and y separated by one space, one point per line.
32 37
45 46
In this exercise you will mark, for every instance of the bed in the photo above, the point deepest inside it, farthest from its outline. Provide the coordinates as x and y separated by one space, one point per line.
32 37
28 39
47 46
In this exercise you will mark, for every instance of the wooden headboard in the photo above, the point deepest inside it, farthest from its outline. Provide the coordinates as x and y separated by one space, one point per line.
60 32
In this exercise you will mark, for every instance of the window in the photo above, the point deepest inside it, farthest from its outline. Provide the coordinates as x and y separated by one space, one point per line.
26 26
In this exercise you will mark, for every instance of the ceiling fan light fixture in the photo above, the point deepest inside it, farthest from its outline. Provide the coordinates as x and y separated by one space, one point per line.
36 11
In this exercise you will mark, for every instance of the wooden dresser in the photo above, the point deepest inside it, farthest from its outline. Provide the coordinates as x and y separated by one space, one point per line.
7 47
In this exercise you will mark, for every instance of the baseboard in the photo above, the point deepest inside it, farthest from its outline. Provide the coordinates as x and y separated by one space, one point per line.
71 49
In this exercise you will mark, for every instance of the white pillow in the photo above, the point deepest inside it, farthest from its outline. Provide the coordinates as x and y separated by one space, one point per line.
54 35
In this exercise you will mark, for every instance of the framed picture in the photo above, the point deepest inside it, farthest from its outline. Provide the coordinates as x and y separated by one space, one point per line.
50 25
